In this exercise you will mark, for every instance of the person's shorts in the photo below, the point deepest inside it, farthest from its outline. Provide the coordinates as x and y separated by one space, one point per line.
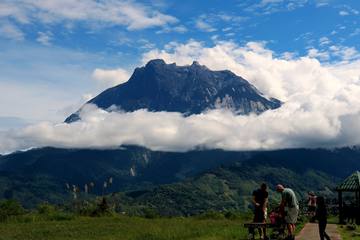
291 215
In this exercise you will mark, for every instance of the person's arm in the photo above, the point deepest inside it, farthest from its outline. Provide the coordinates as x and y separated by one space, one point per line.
265 204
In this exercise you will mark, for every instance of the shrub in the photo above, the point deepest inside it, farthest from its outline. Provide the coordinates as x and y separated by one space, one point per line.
88 209
351 227
211 215
46 209
50 212
96 209
61 216
150 213
10 208
302 218
231 215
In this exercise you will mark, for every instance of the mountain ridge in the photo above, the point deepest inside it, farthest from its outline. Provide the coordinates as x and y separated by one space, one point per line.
189 89
41 174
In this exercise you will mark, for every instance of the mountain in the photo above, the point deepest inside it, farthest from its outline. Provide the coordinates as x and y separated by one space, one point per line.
187 89
131 167
40 174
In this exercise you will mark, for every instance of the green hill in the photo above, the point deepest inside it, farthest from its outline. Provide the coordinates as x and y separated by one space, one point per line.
225 189
172 183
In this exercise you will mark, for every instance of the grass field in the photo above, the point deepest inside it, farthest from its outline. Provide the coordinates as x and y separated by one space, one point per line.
121 227
345 232
47 222
349 234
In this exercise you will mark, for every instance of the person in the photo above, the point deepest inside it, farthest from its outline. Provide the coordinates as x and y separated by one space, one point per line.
311 205
321 216
260 200
290 207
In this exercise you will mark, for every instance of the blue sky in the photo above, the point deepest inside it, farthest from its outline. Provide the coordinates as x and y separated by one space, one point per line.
50 49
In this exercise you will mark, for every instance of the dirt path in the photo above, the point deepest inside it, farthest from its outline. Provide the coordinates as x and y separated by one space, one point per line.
311 232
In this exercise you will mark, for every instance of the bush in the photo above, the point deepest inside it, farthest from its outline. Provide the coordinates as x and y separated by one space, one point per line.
302 218
50 212
232 215
61 216
150 213
87 209
46 209
211 215
351 227
10 208
95 209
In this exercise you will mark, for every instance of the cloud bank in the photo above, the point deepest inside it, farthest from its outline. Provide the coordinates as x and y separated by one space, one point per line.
321 108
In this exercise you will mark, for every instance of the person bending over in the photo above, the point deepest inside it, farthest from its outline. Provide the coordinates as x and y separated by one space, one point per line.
290 207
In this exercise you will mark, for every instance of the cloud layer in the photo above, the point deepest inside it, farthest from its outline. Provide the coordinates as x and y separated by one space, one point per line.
125 13
321 109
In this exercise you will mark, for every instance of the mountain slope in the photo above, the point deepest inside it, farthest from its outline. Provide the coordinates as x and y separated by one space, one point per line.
42 173
187 89
226 188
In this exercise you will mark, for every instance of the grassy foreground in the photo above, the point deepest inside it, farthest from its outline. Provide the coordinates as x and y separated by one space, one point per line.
349 232
121 227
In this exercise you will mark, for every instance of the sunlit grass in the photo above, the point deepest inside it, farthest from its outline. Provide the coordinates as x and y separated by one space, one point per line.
349 232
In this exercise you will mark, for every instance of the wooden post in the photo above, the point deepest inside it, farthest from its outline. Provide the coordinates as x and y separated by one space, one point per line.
341 213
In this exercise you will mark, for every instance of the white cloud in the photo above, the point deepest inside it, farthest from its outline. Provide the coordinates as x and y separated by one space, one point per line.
264 2
273 6
11 9
275 77
322 3
334 53
344 53
10 31
343 13
178 29
145 44
324 41
127 13
204 26
321 109
314 53
211 22
347 10
12 123
110 77
288 55
44 38
355 32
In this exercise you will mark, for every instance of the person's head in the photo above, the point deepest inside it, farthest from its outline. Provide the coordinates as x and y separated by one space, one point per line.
279 188
263 187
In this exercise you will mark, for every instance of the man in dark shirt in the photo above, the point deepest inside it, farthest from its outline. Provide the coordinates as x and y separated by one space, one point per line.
260 200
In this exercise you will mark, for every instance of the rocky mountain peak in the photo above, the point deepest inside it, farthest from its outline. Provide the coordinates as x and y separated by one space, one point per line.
189 89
